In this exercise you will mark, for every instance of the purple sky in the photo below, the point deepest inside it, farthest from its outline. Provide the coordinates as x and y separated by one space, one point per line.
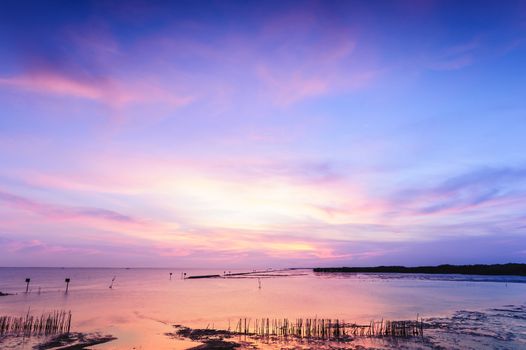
262 133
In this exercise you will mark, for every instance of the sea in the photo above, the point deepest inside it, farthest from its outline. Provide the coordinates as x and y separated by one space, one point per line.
140 306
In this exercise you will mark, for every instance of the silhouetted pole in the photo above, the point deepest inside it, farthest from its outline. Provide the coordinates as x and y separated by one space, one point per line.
170 276
27 284
67 284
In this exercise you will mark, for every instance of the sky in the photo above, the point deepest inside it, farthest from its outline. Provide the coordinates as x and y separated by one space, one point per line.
262 133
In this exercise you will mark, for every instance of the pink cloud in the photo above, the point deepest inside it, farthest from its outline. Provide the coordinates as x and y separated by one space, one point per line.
62 212
116 94
35 246
93 51
288 58
54 84
287 90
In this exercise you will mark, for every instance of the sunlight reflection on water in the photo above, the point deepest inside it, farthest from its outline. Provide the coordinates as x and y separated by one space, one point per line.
144 303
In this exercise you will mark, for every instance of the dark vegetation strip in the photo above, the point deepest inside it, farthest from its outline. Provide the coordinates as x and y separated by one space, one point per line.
496 269
302 328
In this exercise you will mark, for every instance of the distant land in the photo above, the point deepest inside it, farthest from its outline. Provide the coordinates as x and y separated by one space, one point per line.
496 269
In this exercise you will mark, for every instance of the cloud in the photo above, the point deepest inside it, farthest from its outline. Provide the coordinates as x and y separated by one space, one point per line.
457 56
35 246
63 212
109 92
305 56
476 188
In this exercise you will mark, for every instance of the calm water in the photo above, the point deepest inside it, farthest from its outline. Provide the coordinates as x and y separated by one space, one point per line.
145 302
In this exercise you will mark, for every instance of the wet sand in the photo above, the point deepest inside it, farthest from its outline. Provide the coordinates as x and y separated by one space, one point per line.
497 328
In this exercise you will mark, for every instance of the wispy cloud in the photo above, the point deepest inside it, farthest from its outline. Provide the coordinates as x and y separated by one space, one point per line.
62 212
457 56
38 247
485 186
109 92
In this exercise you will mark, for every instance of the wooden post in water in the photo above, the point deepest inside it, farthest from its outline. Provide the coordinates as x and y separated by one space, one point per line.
170 276
67 284
112 280
27 284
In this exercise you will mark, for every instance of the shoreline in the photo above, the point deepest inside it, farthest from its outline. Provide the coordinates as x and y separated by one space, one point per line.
511 269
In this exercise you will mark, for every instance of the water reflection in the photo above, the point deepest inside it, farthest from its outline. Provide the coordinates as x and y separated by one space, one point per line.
144 303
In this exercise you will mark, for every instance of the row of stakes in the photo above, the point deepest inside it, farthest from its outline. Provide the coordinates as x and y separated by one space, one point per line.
67 280
183 274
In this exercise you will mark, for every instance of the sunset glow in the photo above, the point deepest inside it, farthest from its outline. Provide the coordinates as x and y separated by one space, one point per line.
256 134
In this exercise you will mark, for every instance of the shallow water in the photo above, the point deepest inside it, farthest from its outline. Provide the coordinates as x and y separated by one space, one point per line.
144 303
